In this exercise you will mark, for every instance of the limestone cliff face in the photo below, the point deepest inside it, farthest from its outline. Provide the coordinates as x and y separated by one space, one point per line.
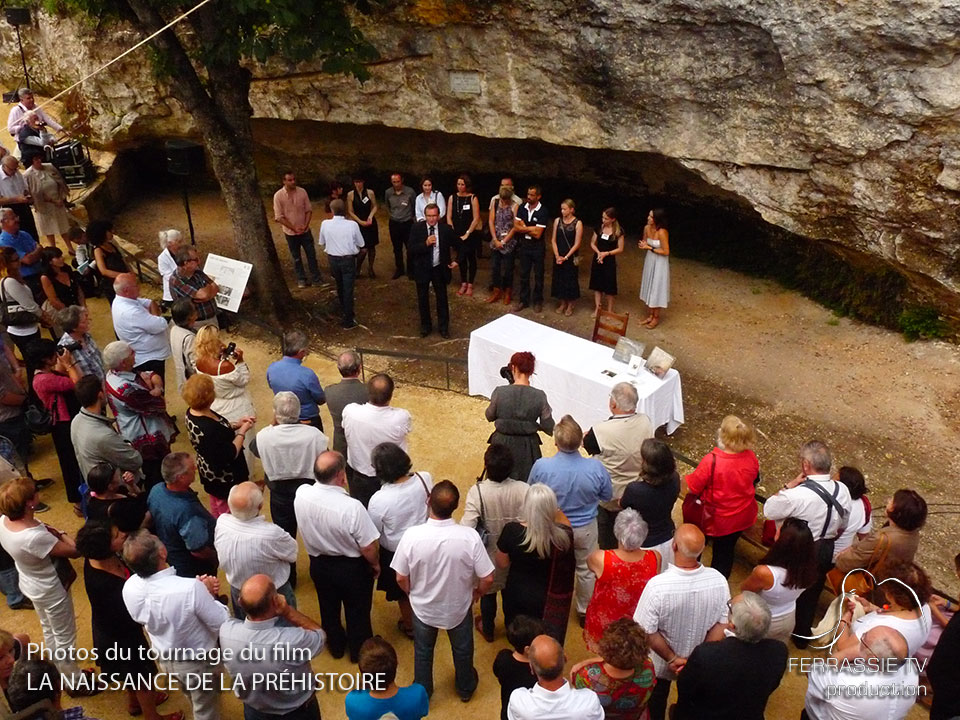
835 120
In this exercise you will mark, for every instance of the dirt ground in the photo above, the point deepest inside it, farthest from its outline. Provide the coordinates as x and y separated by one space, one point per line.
743 345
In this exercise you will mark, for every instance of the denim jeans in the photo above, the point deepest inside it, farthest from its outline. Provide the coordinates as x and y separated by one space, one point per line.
344 270
461 644
303 241
10 586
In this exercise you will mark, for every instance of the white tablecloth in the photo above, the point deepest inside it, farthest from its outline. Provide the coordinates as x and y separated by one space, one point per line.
570 371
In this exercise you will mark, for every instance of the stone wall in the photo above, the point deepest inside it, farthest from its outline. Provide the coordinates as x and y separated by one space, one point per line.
836 121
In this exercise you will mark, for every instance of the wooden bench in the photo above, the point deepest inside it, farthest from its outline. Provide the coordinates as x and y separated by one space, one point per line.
146 266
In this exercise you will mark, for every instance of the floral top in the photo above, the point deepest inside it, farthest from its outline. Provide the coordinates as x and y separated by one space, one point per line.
621 698
141 417
219 465
502 223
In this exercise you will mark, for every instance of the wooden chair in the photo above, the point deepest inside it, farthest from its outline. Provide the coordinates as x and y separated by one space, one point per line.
609 327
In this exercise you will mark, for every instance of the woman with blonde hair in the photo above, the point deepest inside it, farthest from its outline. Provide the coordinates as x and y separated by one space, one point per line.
539 552
229 373
725 480
607 243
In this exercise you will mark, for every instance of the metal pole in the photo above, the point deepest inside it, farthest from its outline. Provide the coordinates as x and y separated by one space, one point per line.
186 206
23 58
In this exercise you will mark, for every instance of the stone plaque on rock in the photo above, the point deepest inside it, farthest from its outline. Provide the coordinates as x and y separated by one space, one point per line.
465 82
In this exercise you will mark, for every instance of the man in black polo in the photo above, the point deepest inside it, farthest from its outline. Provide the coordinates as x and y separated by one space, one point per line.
531 225
399 199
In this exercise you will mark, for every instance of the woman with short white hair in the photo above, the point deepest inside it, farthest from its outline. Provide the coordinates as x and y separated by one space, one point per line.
169 244
622 574
137 401
539 552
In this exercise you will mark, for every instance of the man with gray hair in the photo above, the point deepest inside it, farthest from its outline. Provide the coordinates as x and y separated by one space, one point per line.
179 614
552 697
28 104
180 520
733 678
616 442
288 450
137 321
349 390
580 484
288 373
188 280
248 544
825 505
680 608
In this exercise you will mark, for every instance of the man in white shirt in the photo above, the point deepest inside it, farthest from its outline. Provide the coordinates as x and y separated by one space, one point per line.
137 322
825 505
288 450
179 614
552 697
248 544
366 426
680 608
444 568
845 694
27 104
341 541
342 240
616 442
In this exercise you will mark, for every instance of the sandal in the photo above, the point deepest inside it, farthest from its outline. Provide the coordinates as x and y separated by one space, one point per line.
469 292
652 324
408 631
159 698
478 624
568 312
463 289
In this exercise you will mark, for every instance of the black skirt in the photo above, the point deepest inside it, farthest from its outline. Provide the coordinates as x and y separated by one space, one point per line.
387 580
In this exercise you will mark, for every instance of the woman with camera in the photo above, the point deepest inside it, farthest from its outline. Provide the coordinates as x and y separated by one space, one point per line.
54 383
75 321
230 375
518 412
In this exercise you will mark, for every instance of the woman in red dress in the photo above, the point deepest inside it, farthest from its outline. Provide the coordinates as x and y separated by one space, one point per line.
622 574
725 479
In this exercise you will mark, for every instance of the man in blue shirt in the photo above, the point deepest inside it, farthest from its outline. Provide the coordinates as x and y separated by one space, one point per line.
580 484
288 373
26 247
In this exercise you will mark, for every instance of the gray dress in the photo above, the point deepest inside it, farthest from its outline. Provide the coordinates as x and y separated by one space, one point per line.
518 412
655 284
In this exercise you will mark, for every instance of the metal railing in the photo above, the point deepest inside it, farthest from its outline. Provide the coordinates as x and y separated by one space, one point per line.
415 357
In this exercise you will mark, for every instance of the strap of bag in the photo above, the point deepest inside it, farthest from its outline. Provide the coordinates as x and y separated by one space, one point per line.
423 482
831 502
483 511
879 554
713 470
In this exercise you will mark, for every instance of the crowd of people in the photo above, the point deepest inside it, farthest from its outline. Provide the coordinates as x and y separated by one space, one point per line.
587 534
433 236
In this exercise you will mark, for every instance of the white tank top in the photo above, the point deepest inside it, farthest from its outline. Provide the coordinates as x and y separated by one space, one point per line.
781 599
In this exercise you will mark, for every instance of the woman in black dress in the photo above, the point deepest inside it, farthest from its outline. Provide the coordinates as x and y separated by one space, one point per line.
567 234
606 244
463 215
519 412
110 262
654 495
217 442
539 553
117 638
362 209
59 281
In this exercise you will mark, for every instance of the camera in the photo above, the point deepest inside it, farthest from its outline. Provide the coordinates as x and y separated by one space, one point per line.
507 374
228 351
71 346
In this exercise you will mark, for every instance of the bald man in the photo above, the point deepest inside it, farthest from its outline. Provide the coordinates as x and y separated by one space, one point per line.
882 690
552 697
137 322
341 540
261 647
679 609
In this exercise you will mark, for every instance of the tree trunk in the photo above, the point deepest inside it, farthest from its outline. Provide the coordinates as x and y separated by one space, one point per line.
223 115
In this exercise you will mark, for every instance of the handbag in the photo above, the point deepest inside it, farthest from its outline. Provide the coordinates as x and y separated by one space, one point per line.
861 583
65 571
39 419
695 509
15 318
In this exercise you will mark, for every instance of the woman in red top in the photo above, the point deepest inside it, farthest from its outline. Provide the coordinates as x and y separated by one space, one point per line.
726 478
54 384
622 574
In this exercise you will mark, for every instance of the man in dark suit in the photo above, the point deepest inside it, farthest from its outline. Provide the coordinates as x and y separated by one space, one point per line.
429 254
349 390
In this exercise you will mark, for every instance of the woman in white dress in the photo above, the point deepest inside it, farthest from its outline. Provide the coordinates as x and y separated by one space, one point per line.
230 376
655 284
50 192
